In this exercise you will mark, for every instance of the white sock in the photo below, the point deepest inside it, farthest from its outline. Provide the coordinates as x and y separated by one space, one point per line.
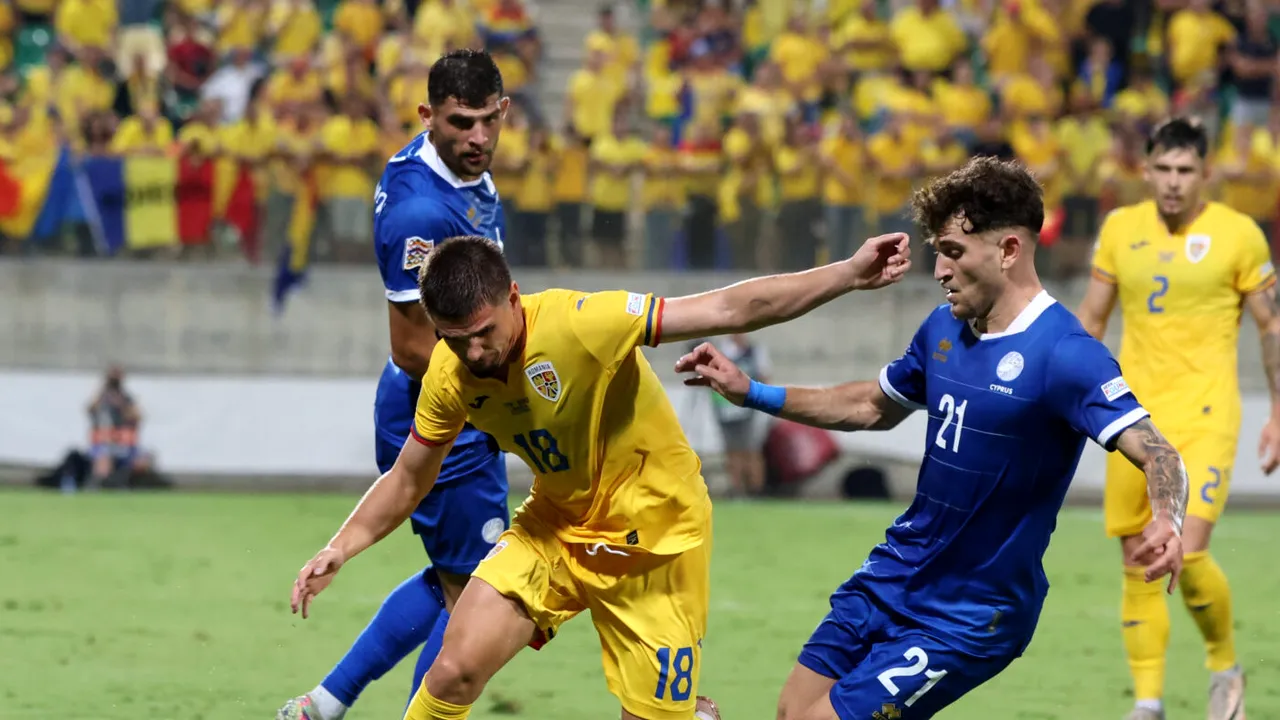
327 706
1152 705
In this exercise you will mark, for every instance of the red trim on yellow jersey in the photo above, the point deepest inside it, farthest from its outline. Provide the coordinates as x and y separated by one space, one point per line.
1102 275
413 433
1266 284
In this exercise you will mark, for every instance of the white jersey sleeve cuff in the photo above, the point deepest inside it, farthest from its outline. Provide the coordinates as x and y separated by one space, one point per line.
1119 425
402 296
893 393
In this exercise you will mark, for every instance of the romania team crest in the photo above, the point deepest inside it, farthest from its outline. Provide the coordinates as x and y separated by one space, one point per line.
1197 247
542 376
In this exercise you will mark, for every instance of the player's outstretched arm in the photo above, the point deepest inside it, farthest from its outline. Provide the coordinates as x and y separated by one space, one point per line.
1262 305
851 406
1167 488
387 504
763 301
1095 308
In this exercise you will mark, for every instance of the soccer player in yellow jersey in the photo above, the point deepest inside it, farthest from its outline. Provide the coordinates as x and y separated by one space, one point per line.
1182 269
618 522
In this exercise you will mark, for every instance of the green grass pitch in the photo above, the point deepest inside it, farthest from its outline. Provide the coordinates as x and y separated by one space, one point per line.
122 607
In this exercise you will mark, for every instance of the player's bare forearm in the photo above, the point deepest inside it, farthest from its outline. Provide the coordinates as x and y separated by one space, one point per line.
753 304
391 499
1095 309
1263 307
851 406
413 337
1167 485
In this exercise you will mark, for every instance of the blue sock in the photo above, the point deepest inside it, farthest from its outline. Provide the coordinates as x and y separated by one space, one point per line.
404 622
429 653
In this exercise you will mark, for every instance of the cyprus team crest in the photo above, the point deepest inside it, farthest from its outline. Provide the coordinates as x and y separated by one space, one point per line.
1197 247
542 376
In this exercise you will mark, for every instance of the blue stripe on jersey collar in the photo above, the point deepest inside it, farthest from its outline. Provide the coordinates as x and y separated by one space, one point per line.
432 159
1033 310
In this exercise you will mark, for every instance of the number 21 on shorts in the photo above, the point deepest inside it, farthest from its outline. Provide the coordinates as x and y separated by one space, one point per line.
919 664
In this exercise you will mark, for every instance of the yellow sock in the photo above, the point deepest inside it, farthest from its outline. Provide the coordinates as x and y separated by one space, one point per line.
1208 597
425 706
1144 615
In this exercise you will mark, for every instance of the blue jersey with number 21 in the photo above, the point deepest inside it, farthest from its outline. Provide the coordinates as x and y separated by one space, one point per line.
1009 414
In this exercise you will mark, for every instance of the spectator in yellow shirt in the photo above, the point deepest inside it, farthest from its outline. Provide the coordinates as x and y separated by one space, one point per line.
614 157
895 164
928 37
146 133
961 104
1246 167
800 202
296 27
864 41
621 51
349 145
1021 27
844 165
663 197
570 194
592 98
1142 101
1086 140
86 24
1196 37
799 54
535 200
361 21
240 25
745 188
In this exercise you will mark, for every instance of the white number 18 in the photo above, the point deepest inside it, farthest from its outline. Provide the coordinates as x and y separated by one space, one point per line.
919 664
954 412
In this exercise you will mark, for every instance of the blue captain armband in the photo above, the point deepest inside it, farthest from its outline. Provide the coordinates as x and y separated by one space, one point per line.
765 398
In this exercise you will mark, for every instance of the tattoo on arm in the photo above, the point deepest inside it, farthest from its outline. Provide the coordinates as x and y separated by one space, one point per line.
1166 475
1268 317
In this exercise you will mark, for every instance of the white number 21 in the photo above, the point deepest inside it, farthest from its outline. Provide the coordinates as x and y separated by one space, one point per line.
954 412
919 664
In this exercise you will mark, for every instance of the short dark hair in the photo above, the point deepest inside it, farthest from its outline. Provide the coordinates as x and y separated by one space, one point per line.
463 275
987 194
470 76
1181 133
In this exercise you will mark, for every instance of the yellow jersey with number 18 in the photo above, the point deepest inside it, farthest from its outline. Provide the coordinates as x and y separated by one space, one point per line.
583 408
1181 298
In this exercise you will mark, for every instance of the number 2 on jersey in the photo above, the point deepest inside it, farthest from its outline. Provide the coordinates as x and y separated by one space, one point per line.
954 412
1157 294
919 664
543 451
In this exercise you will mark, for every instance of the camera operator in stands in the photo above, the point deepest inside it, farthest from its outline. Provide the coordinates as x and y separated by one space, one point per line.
113 435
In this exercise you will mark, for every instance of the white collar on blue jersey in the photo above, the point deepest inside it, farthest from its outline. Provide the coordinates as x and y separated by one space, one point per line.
432 159
1033 310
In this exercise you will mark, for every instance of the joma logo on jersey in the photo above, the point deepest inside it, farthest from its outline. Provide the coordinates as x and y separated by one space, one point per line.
542 376
518 407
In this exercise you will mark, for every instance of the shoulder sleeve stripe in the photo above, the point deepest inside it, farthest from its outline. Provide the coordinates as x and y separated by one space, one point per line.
653 323
413 433
1267 282
402 296
1119 425
1102 275
893 393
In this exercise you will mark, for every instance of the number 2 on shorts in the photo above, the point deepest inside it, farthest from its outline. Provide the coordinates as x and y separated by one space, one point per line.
682 682
919 663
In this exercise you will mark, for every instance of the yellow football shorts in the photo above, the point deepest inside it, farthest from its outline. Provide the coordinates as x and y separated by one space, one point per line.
650 611
1209 458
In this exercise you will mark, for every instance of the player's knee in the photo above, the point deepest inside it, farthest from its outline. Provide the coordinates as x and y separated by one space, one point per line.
455 678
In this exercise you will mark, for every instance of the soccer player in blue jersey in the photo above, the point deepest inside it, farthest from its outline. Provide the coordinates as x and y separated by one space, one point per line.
437 187
1013 386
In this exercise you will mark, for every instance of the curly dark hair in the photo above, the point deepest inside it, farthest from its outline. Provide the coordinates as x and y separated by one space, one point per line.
462 275
986 194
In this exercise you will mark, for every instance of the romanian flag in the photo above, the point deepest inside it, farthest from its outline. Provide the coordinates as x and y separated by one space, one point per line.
32 175
235 202
134 201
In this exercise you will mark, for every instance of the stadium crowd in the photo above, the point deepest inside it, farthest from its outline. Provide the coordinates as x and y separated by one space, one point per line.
767 134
